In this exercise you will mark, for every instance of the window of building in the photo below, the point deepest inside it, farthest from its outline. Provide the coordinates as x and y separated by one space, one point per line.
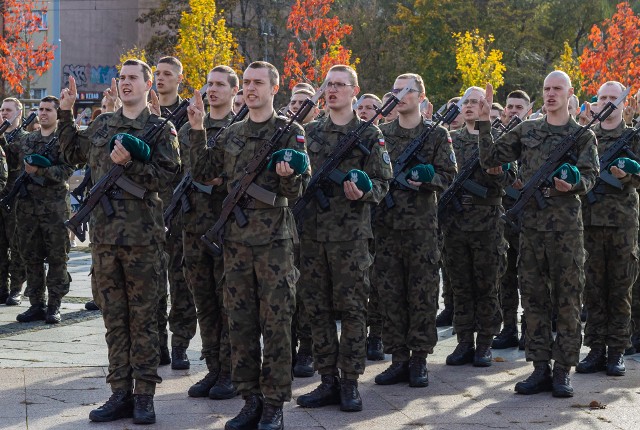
38 93
42 14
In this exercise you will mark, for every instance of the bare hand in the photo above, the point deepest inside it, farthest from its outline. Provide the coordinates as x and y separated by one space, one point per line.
351 191
414 183
618 172
154 103
485 104
585 116
111 96
428 111
494 170
68 95
284 169
196 112
120 155
29 168
518 184
630 111
561 185
216 182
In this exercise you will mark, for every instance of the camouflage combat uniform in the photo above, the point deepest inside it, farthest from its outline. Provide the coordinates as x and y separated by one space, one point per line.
203 270
408 247
509 296
260 277
40 215
611 242
127 247
551 265
334 250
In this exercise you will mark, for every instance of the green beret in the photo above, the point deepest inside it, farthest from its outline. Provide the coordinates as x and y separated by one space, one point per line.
421 173
506 167
139 150
297 160
37 160
360 178
567 173
627 165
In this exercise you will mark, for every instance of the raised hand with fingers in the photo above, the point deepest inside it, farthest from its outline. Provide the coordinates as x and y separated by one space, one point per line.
154 103
585 114
428 112
196 111
485 104
68 95
630 110
111 96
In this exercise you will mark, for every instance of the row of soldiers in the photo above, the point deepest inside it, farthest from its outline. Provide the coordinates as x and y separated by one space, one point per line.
257 290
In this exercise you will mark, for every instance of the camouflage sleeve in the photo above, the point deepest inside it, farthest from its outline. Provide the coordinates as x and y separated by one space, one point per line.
4 170
58 173
206 163
504 179
444 163
75 144
293 186
588 164
631 179
378 167
159 172
183 139
504 150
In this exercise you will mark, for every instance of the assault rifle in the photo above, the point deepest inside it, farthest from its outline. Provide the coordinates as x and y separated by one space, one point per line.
619 147
237 197
114 181
19 186
10 137
180 197
415 146
329 171
79 192
543 177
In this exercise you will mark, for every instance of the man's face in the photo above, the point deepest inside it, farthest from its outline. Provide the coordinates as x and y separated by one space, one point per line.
606 94
457 123
412 99
258 91
515 107
340 91
9 112
47 114
167 79
238 102
555 94
219 90
296 103
495 113
471 106
367 109
132 86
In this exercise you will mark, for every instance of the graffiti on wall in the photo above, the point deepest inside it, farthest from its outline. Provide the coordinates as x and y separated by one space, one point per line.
86 75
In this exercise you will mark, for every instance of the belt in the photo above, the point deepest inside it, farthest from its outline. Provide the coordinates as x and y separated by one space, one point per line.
280 202
467 199
120 194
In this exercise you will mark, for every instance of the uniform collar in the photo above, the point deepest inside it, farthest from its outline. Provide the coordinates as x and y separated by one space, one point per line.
118 118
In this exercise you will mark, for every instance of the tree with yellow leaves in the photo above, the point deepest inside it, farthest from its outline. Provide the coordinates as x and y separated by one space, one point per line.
204 41
477 64
135 52
570 64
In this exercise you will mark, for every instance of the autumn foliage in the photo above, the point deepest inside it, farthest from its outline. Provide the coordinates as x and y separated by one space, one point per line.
22 58
476 62
318 43
613 53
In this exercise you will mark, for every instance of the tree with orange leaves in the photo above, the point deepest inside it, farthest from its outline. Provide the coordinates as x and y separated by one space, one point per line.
318 42
614 51
22 56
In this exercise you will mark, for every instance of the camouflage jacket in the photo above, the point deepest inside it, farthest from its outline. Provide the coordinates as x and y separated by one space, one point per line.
136 221
48 188
4 170
166 110
228 159
417 210
614 208
15 164
345 219
530 143
482 214
205 208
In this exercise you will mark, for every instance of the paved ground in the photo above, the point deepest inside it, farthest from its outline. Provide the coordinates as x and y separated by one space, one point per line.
52 376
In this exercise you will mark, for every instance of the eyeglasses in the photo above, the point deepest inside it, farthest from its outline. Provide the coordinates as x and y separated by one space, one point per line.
470 102
338 85
399 90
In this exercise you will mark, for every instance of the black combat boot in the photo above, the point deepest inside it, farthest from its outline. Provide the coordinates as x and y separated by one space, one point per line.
397 372
271 418
445 318
615 364
508 338
561 381
327 393
179 358
595 361
350 400
463 354
119 405
91 306
418 373
202 387
223 388
249 416
538 381
14 299
304 365
143 411
53 314
35 313
375 350
482 356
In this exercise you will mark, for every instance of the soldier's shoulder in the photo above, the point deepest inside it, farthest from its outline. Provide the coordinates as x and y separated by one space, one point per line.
388 127
315 124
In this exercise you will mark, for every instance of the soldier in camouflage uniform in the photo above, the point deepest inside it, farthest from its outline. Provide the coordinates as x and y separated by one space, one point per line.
476 249
611 241
407 246
126 247
551 265
260 277
334 247
12 272
40 214
204 271
182 317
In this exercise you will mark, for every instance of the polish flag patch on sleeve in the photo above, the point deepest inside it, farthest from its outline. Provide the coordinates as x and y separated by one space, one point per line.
299 138
381 142
449 139
173 131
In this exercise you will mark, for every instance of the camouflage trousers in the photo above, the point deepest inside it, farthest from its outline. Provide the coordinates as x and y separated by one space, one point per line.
204 275
301 325
551 275
260 298
375 310
447 292
475 261
126 291
509 297
335 278
611 270
12 272
44 238
406 272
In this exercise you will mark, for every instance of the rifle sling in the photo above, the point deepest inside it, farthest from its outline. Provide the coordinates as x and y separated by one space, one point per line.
129 190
